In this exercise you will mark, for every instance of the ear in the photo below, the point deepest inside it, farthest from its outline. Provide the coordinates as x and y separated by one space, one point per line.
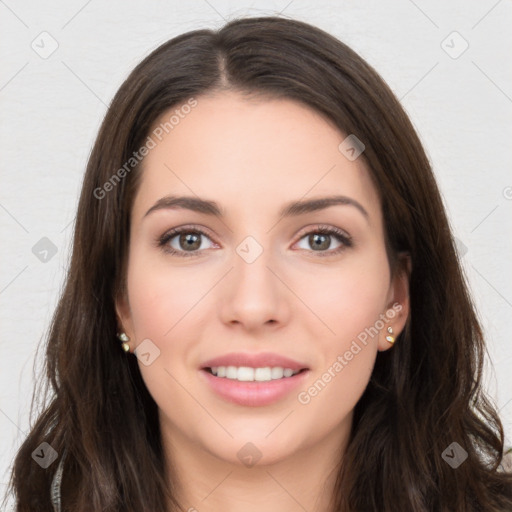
398 306
124 316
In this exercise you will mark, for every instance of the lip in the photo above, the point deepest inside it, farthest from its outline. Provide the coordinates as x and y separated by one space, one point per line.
252 394
260 360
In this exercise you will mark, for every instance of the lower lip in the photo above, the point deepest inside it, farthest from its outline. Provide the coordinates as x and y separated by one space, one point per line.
253 394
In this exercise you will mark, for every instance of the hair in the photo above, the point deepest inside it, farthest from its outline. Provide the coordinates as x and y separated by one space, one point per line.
423 395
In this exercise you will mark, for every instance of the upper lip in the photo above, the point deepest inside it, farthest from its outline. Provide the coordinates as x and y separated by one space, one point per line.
260 360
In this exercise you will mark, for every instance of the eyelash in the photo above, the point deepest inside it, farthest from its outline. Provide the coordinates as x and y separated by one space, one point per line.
324 230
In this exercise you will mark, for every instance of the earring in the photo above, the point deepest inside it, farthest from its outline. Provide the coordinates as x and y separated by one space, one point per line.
125 339
390 338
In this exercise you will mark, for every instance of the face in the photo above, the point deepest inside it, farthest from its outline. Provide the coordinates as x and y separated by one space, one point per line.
311 285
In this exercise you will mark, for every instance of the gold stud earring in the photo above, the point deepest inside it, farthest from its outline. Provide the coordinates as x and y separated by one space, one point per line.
125 339
390 338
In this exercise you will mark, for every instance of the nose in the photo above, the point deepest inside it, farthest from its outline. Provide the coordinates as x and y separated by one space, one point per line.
253 294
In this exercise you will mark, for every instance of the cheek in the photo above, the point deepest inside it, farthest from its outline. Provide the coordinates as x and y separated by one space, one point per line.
161 297
162 303
349 297
351 304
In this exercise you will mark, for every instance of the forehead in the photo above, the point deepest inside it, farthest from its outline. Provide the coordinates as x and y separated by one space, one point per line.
249 154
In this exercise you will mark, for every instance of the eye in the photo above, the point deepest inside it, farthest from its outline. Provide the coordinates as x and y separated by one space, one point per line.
321 237
186 241
188 237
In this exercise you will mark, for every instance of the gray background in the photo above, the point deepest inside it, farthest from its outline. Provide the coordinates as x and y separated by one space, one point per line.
460 100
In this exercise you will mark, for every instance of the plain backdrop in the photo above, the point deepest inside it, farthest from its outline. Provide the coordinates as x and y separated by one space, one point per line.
62 62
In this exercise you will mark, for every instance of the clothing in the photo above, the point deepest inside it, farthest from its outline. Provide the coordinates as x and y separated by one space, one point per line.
56 482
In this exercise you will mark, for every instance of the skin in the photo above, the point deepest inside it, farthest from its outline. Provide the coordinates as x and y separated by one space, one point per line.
252 157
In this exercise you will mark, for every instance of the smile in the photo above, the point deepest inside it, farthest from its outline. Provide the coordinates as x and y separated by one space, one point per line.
251 387
248 374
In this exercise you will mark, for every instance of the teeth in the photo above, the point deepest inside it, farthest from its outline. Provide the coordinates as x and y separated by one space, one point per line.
247 374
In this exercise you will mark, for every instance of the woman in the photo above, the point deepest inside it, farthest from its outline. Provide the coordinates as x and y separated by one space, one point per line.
264 306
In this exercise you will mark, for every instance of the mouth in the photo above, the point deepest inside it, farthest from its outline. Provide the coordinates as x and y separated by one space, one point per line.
253 387
249 374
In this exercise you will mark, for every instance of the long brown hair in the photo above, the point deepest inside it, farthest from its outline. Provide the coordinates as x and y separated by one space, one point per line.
424 394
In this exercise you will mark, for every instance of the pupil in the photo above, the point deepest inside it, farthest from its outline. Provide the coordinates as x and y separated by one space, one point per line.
318 240
190 240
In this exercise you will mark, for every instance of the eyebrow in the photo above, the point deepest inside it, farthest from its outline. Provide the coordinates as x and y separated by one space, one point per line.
292 209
